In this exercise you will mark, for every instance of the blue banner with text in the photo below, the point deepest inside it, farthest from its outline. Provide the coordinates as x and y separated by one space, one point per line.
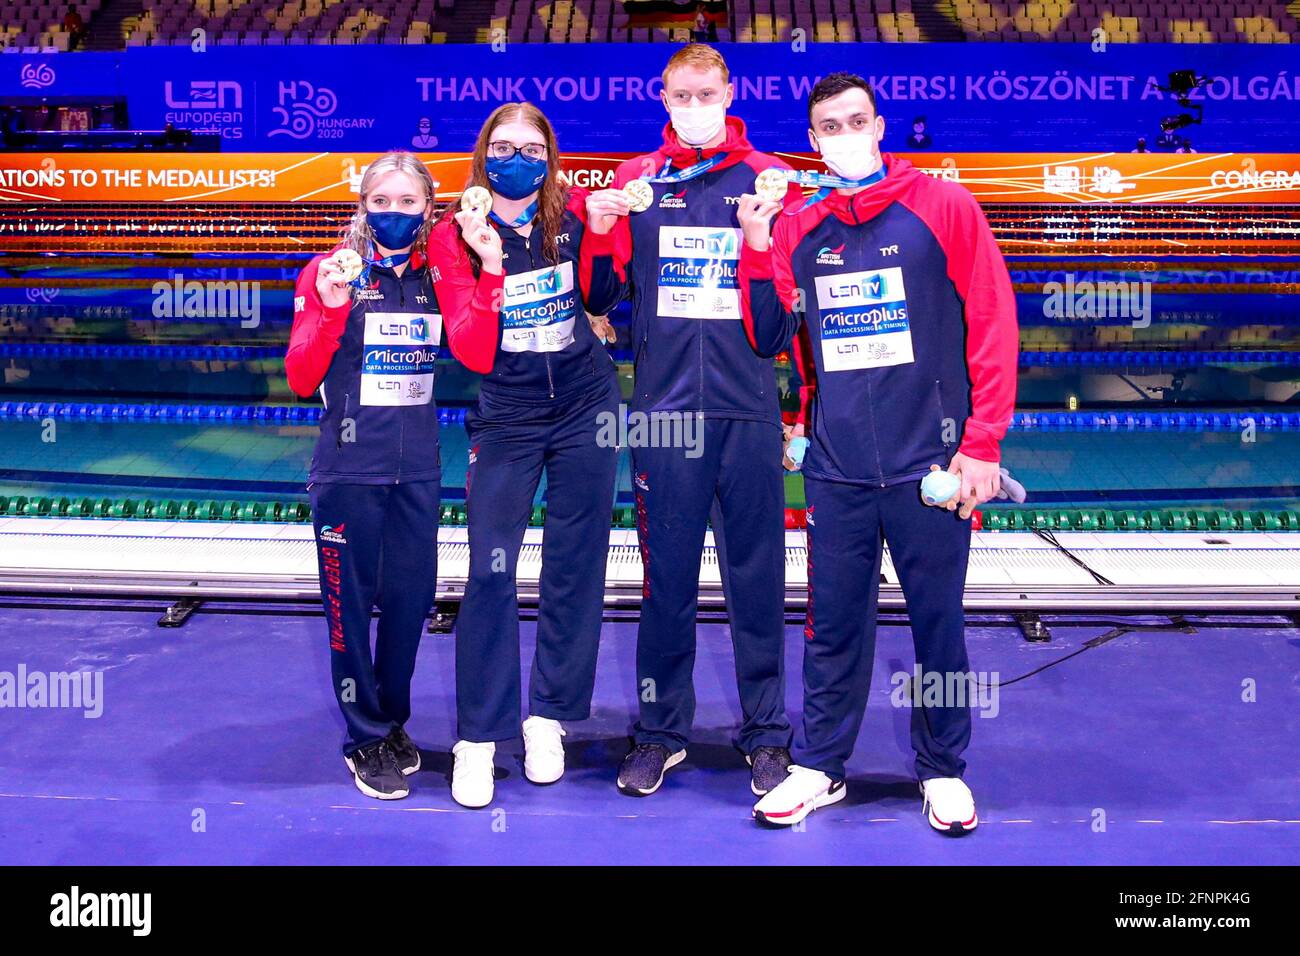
967 97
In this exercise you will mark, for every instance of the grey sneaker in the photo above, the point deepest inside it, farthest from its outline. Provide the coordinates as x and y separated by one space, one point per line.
643 769
769 766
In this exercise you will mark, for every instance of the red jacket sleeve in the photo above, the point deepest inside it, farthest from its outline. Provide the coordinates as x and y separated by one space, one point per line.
802 355
771 307
617 243
470 307
801 345
978 272
601 285
315 335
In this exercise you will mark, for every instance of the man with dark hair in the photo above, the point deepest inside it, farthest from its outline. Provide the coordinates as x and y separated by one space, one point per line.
833 84
904 327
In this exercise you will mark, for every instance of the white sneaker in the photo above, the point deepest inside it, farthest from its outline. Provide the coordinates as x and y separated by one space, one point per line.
798 795
472 778
543 750
949 805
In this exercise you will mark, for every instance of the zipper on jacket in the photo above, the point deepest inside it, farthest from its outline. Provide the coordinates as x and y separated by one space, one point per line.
875 438
871 414
401 416
546 356
338 441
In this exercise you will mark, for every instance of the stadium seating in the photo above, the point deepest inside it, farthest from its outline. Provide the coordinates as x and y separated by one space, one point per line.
38 23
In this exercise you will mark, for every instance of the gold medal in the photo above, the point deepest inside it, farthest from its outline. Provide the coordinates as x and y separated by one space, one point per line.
771 185
640 195
349 264
476 201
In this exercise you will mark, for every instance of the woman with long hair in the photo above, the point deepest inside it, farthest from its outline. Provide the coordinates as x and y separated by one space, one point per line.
366 333
551 391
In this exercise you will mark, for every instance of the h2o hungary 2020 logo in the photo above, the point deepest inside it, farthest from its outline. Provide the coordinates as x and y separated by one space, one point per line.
306 111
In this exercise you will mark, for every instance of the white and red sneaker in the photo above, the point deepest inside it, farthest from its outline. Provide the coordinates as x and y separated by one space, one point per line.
802 792
949 806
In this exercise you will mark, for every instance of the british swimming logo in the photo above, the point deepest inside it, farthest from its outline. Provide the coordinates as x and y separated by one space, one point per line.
673 200
827 256
333 534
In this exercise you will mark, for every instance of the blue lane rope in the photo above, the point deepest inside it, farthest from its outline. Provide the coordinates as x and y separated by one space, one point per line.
237 353
1100 420
75 350
223 414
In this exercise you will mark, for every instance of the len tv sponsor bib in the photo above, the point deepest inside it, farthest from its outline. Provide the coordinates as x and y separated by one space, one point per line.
398 358
864 320
538 310
697 272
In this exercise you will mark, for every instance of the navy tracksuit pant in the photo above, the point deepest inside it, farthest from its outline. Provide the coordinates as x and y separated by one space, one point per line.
511 441
377 545
929 548
737 477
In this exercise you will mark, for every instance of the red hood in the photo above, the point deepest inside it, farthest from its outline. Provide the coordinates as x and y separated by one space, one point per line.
868 203
736 145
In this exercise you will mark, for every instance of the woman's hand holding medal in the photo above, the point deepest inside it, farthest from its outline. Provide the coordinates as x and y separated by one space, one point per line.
475 203
333 276
604 206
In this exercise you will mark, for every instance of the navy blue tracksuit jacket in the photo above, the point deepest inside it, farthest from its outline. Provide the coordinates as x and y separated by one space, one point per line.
906 338
678 260
374 481
551 388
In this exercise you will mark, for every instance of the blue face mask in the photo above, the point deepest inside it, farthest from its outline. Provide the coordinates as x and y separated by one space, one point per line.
394 230
517 176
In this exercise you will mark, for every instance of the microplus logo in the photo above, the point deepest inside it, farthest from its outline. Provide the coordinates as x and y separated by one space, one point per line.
83 690
74 909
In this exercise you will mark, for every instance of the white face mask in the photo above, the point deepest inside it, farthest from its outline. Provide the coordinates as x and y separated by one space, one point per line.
851 155
697 125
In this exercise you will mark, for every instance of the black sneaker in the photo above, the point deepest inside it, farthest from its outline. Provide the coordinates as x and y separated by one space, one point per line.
643 769
404 749
376 773
769 766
